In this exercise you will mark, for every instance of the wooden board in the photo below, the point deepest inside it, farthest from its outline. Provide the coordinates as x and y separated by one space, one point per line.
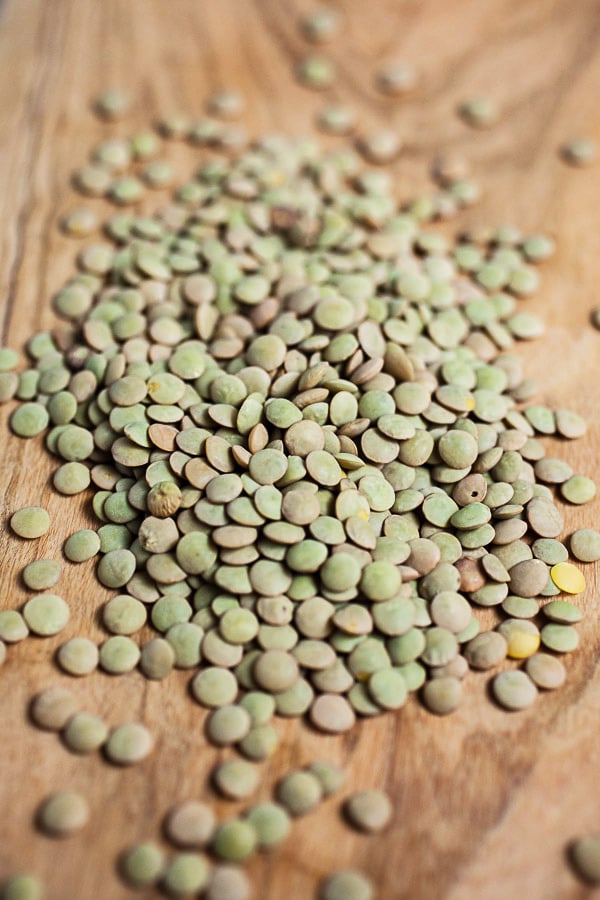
485 801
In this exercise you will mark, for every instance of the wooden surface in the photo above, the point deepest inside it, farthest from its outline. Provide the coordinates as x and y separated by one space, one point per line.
485 801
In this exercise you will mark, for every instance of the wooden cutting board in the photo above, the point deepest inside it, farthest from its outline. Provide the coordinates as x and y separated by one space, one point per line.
485 801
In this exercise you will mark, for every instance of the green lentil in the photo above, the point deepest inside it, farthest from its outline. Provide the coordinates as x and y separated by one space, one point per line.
299 792
53 708
190 824
23 886
13 627
128 744
560 638
29 419
186 873
514 690
78 656
63 813
271 823
46 614
228 882
84 733
228 724
157 659
316 72
82 545
545 671
118 655
124 615
30 522
41 574
236 779
71 478
346 885
578 489
580 151
585 545
143 864
235 840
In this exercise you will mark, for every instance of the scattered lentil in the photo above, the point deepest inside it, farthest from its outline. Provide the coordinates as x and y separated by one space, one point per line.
46 614
128 744
369 811
63 813
30 522
85 732
299 792
23 886
143 864
53 708
580 151
585 855
347 885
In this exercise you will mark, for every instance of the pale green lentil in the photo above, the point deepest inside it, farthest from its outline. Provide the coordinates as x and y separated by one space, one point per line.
46 614
29 419
124 615
235 840
562 611
346 885
228 882
63 813
13 626
316 72
585 545
214 687
299 792
23 886
369 811
580 151
71 478
53 708
143 864
271 823
514 690
321 25
388 688
78 656
118 654
585 856
85 732
30 522
260 742
545 671
228 724
41 574
560 638
520 607
82 545
442 695
236 779
157 659
186 873
111 104
128 744
190 824
578 489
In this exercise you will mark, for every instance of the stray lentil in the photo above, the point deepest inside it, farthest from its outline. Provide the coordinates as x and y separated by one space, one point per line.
128 744
143 864
63 813
347 885
30 522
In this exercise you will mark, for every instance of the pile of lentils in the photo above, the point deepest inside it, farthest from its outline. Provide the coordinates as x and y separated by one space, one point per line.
314 457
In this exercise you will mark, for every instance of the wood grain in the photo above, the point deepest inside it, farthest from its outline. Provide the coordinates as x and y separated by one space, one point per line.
485 801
